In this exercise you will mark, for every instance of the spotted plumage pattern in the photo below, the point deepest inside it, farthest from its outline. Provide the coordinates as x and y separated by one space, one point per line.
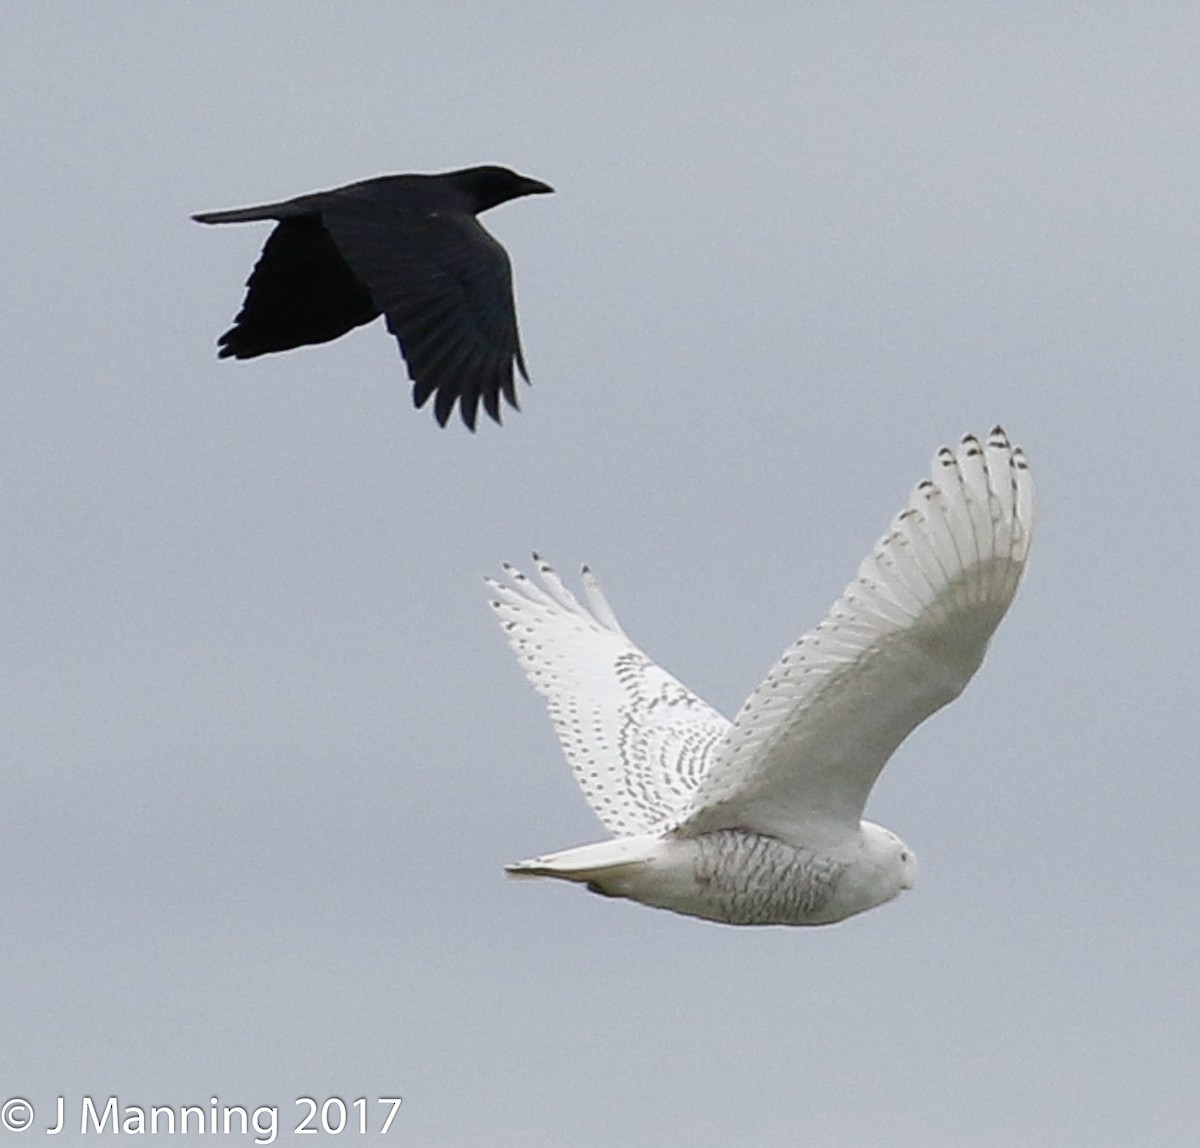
636 739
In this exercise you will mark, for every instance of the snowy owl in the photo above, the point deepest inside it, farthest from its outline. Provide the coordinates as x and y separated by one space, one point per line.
758 821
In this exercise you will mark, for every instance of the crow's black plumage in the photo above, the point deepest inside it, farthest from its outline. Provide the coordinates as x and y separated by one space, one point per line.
406 246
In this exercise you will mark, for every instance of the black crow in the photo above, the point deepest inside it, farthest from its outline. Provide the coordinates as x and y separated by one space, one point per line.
408 246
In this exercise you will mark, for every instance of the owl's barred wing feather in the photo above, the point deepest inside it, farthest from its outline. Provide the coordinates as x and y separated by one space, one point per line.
901 642
637 740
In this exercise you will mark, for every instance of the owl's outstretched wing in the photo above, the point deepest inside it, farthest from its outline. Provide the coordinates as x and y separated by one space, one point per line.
901 642
637 740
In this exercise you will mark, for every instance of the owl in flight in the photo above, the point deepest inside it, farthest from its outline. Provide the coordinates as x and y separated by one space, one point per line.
758 821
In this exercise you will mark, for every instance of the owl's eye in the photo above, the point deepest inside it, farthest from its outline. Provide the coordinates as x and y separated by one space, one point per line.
903 854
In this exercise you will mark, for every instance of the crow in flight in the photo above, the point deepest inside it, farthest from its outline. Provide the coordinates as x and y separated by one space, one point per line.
406 246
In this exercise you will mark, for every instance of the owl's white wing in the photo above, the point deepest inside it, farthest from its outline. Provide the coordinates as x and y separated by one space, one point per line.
637 741
901 642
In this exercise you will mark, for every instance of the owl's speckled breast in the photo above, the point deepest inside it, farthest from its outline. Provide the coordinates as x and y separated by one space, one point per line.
755 880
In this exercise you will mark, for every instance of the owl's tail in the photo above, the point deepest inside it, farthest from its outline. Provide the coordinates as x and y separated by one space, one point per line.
604 865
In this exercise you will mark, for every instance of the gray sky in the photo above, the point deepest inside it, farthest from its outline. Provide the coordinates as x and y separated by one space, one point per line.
265 752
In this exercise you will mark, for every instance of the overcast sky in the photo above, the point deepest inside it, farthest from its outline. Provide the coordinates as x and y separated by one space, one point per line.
265 751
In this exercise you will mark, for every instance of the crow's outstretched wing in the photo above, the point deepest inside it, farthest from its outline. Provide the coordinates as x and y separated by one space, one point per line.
444 285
